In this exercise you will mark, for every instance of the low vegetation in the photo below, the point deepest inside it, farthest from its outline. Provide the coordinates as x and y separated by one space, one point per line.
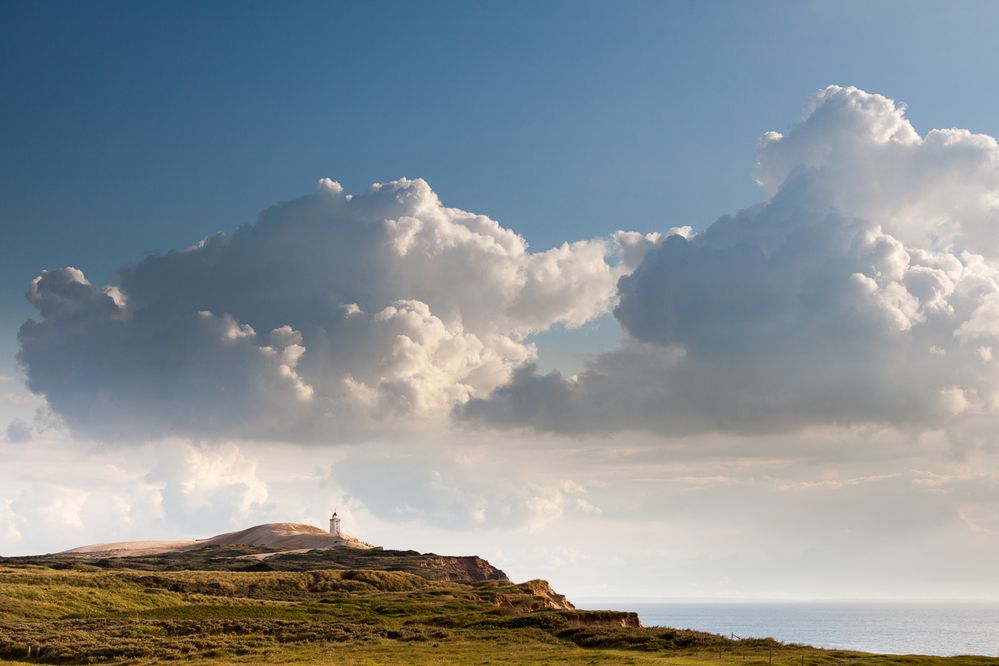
56 610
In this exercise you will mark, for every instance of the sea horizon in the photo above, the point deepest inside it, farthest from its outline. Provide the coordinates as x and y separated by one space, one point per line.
889 626
872 600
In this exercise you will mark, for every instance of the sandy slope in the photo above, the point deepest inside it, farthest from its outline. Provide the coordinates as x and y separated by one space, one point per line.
283 535
286 536
128 548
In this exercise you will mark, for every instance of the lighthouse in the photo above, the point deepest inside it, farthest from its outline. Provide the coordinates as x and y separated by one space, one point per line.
335 524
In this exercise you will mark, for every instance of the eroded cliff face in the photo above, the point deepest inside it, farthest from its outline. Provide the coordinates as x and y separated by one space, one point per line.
602 619
551 599
538 595
534 595
461 568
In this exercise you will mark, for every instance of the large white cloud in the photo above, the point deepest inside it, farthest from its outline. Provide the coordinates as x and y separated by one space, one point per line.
864 290
332 315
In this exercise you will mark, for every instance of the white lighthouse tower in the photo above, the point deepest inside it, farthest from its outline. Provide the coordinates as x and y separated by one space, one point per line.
335 524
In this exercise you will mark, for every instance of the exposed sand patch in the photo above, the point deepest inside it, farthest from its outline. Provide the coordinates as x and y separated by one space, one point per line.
128 548
260 557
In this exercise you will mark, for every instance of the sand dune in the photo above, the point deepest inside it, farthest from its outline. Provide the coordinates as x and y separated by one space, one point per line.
128 548
284 536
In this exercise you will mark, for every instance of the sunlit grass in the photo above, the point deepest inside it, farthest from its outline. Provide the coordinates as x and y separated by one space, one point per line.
85 614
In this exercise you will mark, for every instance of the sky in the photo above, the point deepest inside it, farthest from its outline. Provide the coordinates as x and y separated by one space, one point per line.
654 299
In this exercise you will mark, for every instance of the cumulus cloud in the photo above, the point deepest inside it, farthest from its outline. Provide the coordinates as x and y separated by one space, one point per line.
864 290
333 314
938 191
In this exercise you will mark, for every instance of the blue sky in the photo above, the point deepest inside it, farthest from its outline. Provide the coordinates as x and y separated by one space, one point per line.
819 368
129 128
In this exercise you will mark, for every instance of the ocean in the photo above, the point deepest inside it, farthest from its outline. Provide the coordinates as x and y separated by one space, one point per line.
932 628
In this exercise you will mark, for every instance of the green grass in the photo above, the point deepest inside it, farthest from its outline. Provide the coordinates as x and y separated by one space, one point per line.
68 612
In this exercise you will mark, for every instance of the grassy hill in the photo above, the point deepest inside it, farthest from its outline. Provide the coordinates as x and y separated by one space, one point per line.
333 607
